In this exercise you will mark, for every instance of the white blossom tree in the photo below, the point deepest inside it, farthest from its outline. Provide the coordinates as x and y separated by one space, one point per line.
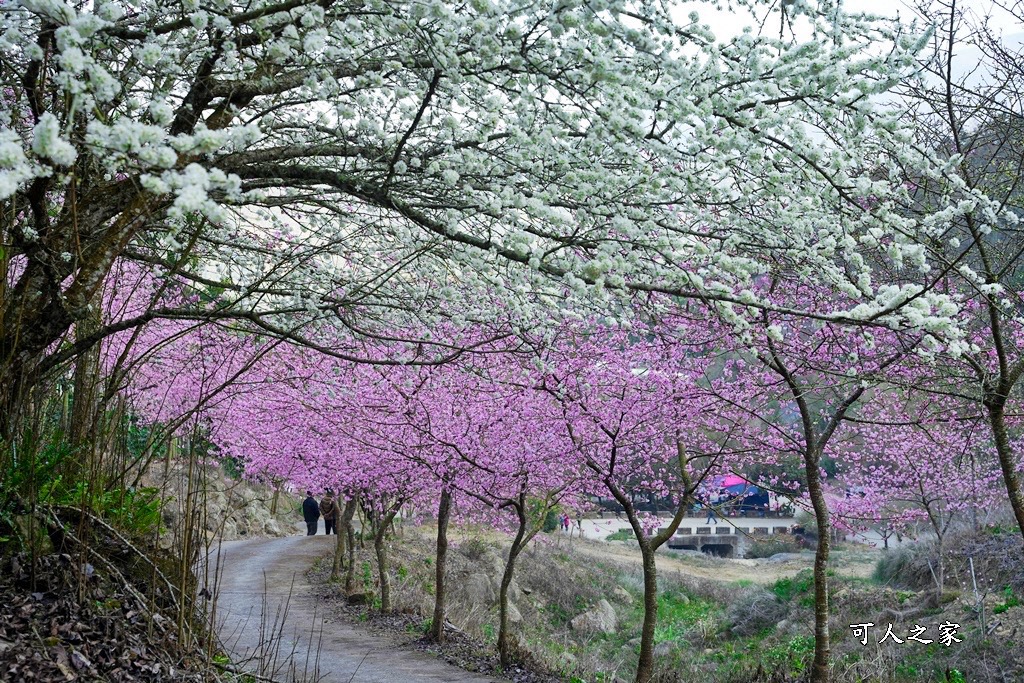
968 110
321 167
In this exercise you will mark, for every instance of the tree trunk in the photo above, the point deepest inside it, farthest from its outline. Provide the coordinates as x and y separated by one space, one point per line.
648 547
339 552
939 527
344 535
382 569
350 570
645 667
645 664
443 514
820 670
381 549
504 655
1007 463
82 433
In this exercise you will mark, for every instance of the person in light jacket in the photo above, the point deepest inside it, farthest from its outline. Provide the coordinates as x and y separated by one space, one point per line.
329 509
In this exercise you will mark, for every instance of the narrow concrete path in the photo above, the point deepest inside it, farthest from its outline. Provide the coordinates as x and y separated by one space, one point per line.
271 624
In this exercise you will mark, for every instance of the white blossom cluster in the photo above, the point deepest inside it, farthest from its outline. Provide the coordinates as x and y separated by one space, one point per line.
480 163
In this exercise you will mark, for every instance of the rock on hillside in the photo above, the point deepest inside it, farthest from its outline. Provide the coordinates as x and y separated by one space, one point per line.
600 619
475 587
224 507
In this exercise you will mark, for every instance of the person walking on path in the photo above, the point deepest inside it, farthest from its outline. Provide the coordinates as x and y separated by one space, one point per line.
311 513
329 509
710 505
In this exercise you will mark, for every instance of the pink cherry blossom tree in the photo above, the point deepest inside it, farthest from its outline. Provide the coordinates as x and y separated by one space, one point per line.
913 458
637 414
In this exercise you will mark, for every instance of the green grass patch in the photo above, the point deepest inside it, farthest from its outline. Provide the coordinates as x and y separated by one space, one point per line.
1009 600
792 656
678 614
677 607
559 615
801 585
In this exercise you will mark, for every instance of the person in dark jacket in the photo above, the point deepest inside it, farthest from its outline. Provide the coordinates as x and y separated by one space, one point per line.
311 513
329 509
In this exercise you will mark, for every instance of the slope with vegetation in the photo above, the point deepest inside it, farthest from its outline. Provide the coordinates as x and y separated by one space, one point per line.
578 611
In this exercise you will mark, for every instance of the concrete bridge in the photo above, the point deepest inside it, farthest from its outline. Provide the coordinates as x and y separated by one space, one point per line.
723 541
727 538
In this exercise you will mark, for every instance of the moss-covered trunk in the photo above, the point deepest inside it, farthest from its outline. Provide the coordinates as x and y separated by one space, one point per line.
645 663
815 440
649 545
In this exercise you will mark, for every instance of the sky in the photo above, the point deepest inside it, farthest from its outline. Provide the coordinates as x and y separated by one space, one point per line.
725 23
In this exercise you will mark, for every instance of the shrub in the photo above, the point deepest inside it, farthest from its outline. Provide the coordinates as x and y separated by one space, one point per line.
997 558
474 548
771 546
1009 600
793 656
136 511
753 611
234 468
551 521
899 568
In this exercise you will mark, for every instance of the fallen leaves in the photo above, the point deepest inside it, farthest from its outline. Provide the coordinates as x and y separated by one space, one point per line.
78 626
